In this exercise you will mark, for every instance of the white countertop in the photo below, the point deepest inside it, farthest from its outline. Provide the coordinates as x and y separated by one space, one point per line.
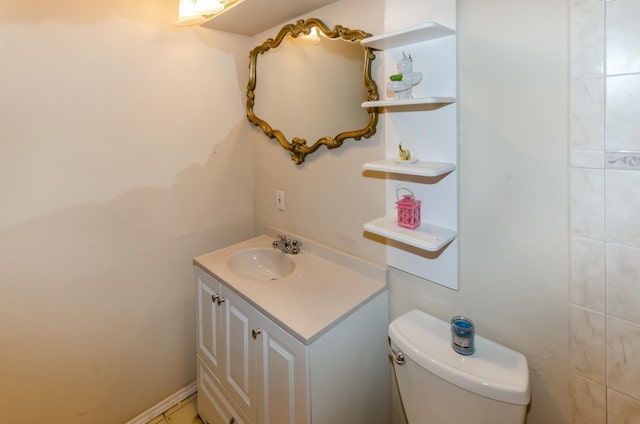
324 288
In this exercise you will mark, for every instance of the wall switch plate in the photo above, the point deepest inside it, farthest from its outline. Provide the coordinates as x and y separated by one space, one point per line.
280 200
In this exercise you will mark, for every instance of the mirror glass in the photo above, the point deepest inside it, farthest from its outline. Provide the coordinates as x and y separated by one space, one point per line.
306 93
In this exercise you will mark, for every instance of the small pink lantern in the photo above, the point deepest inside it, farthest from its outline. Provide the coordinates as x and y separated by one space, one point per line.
408 211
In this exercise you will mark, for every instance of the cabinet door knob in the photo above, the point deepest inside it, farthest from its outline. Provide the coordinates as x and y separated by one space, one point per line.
215 297
220 300
256 332
232 420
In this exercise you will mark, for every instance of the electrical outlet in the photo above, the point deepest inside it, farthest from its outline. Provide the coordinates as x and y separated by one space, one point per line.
280 200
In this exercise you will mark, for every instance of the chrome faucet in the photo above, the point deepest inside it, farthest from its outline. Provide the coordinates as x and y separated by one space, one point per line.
287 245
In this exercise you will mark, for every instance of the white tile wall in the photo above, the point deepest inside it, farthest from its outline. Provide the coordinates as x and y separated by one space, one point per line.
623 283
623 160
622 409
587 203
623 37
588 344
622 106
587 159
623 207
587 114
590 401
588 273
623 357
587 38
605 210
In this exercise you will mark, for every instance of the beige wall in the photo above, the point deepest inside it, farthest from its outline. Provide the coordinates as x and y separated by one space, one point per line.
123 156
326 198
112 179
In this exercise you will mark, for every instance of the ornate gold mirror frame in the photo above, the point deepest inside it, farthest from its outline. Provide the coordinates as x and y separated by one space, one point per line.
298 147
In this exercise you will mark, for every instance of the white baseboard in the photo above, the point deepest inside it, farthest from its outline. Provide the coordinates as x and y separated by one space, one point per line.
164 404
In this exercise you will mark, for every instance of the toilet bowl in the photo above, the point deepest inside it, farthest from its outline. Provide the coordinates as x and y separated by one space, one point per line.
439 386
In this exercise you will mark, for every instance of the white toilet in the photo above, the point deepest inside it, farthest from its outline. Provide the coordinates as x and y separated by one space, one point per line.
440 386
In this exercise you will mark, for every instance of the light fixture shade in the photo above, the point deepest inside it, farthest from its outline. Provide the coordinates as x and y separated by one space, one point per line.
208 7
197 12
187 14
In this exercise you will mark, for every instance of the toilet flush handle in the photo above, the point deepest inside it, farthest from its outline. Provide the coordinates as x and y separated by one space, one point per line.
398 356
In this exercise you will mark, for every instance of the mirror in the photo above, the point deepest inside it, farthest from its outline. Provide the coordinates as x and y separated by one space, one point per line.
311 88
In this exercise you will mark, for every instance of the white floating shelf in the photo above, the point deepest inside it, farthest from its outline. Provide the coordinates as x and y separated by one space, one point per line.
424 169
442 101
414 34
426 237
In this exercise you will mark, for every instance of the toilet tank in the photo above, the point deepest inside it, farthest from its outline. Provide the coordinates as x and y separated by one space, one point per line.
439 386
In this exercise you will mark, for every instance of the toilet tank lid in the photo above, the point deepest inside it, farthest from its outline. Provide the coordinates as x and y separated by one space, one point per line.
493 371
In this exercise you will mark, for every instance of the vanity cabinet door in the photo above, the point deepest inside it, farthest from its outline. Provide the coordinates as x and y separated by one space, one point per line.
246 363
213 407
209 338
283 391
239 374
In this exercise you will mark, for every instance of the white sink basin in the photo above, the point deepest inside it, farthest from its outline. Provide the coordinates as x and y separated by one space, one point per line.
261 264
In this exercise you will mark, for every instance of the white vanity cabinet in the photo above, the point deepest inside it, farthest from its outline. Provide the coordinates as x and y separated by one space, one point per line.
256 363
251 370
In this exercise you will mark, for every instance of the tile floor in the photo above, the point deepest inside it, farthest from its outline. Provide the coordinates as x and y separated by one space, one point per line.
184 412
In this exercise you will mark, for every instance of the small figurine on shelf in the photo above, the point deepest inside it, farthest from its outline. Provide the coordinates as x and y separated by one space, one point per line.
404 154
402 82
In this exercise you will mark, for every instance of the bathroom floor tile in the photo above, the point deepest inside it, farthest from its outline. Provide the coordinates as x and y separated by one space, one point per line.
184 412
158 420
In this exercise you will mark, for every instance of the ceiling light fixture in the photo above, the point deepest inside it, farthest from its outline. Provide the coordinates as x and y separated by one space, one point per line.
197 12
